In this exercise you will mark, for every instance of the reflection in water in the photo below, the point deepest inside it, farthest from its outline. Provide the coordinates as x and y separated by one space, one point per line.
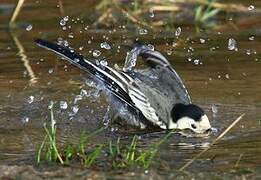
16 11
24 58
61 7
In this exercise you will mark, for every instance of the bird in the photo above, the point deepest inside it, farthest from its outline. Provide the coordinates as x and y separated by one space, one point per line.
153 97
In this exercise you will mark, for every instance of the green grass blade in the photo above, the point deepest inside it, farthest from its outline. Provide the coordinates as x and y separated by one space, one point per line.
208 15
53 144
39 152
93 155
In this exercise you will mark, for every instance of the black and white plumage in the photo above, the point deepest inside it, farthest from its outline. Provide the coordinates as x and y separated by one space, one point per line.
155 96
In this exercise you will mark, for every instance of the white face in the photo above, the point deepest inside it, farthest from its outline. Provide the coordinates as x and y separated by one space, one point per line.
200 126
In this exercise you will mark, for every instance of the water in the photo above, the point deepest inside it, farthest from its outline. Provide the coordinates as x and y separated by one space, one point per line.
226 84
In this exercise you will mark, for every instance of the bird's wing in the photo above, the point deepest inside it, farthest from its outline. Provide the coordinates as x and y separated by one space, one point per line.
119 83
141 101
153 59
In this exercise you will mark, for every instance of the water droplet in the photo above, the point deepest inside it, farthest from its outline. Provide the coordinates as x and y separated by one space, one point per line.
143 31
214 130
64 20
75 109
196 61
178 32
30 99
81 48
105 45
251 7
29 27
214 109
83 92
169 52
151 47
25 119
65 43
63 105
70 35
25 73
96 53
202 41
190 49
174 44
227 76
76 60
248 52
50 71
251 38
232 44
103 62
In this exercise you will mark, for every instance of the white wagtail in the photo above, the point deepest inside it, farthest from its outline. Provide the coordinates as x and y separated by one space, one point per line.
156 97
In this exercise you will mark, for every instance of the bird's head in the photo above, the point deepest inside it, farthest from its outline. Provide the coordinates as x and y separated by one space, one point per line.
189 117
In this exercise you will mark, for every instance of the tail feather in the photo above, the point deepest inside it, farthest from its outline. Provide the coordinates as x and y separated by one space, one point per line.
111 80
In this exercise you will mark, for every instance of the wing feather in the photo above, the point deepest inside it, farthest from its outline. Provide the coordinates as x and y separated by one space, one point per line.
119 83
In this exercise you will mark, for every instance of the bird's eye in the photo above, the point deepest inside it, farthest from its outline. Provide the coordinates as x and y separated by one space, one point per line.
193 126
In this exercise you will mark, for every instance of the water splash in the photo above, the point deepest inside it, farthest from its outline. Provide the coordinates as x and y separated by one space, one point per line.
105 45
232 44
30 99
143 31
202 41
251 7
63 105
214 109
64 20
96 53
178 32
29 27
25 119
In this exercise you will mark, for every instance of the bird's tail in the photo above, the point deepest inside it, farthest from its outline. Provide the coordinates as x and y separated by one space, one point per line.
70 55
110 77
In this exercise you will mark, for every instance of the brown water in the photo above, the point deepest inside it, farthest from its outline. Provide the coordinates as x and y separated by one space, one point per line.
30 77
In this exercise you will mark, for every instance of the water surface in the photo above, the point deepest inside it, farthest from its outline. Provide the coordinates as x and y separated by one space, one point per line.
217 78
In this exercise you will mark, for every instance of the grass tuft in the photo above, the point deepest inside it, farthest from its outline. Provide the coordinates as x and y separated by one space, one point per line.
129 155
203 13
120 154
49 145
48 149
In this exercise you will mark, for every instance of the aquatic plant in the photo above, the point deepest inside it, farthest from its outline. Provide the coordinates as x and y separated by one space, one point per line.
129 155
120 154
203 13
49 145
48 150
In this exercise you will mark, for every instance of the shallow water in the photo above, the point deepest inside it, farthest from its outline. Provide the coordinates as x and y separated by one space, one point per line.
228 81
